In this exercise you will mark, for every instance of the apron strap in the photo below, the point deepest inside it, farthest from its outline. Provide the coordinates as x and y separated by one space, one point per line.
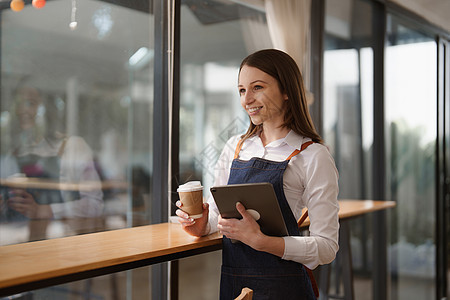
303 147
238 148
297 151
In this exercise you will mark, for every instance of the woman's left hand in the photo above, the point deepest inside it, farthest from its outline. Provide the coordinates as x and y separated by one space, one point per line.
246 230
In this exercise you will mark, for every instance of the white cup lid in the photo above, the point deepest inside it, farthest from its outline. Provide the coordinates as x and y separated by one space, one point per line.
190 186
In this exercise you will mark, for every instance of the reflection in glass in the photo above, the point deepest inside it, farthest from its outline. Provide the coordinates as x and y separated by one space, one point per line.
76 112
76 109
410 83
348 120
47 174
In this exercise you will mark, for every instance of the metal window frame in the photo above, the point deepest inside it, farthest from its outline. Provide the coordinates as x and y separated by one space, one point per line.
166 133
379 255
317 51
442 167
161 133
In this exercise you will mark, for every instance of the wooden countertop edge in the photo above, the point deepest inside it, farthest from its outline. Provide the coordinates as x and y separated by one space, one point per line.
188 243
373 204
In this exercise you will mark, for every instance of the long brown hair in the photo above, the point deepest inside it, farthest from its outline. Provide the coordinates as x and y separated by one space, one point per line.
284 69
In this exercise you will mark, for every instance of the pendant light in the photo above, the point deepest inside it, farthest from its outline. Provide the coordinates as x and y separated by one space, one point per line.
17 5
38 3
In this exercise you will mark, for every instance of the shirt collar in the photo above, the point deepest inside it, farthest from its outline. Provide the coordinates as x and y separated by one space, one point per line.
295 140
292 139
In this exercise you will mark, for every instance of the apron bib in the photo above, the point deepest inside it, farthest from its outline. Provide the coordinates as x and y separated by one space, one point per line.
269 276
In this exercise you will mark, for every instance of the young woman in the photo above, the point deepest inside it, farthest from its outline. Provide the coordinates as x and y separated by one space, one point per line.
281 146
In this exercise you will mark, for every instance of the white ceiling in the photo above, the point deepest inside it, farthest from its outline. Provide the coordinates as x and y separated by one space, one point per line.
437 12
96 53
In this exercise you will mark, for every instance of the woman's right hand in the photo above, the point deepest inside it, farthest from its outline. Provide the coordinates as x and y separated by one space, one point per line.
195 227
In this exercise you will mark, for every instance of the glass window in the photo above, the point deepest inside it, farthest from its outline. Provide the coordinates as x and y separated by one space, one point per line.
348 93
76 112
348 119
411 112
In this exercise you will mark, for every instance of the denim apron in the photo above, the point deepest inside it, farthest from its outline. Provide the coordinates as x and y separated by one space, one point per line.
269 276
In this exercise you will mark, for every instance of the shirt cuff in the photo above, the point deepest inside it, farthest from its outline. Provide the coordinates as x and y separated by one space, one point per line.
290 248
212 223
297 249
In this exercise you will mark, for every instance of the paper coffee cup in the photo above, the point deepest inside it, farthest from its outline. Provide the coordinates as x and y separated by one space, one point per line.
191 197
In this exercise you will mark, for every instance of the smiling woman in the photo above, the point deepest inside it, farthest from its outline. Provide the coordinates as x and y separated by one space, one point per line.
287 92
280 147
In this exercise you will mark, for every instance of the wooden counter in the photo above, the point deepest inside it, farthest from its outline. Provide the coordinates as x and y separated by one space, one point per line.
354 208
51 262
45 263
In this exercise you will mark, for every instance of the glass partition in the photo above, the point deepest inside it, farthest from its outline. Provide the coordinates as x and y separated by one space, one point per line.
76 107
76 113
411 123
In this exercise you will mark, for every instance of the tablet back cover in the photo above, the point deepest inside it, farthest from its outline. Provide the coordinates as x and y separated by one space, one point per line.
260 197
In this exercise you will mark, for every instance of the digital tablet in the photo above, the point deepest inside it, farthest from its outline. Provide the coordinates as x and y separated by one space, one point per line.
260 201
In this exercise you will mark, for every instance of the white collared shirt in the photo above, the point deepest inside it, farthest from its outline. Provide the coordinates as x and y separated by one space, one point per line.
310 180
